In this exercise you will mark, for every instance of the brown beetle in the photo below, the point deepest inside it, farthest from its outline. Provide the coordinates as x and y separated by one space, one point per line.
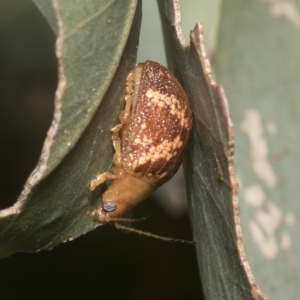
149 143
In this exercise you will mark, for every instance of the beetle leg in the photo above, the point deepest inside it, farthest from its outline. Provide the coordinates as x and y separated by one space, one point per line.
117 145
129 83
125 114
101 178
117 159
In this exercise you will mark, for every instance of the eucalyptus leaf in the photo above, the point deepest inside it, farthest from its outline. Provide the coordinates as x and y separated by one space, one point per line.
96 47
211 182
258 62
46 8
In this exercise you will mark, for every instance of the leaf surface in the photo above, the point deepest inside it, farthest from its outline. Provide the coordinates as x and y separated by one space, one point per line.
257 60
96 48
211 183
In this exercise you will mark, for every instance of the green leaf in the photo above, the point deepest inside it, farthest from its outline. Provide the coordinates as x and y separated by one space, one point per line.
211 183
46 8
96 48
258 61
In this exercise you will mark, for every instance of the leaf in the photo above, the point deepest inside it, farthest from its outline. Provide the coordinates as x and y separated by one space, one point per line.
96 47
257 60
46 8
211 183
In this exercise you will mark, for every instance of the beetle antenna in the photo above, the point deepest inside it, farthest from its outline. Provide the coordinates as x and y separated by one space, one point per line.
159 237
130 220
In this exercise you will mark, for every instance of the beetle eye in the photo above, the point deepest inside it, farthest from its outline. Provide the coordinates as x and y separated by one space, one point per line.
109 207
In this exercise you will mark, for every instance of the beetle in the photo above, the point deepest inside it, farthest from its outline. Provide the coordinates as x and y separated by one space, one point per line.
149 142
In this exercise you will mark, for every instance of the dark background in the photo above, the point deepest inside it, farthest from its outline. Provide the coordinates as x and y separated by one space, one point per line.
103 264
